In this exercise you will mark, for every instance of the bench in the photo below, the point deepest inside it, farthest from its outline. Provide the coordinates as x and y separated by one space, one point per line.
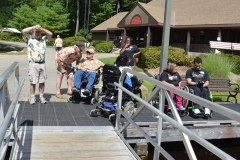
221 85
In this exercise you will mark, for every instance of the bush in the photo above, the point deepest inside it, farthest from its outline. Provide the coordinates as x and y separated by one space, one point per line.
51 42
236 60
217 65
150 57
70 41
7 36
105 47
94 43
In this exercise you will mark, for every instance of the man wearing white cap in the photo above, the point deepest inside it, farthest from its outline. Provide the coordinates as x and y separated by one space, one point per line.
58 44
87 67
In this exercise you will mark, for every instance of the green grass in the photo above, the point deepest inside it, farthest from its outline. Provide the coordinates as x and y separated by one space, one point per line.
110 60
13 53
217 65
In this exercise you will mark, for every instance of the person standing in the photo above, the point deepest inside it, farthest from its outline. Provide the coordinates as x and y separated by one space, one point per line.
198 80
36 57
64 60
130 50
58 44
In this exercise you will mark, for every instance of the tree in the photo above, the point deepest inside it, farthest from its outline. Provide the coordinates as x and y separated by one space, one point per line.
53 18
77 19
23 17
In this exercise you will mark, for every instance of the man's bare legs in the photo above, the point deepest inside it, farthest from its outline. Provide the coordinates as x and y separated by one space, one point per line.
58 83
32 89
69 83
41 88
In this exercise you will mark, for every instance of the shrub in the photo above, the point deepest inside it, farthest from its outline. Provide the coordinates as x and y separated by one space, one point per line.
94 43
217 65
150 57
70 41
105 47
51 42
236 60
7 36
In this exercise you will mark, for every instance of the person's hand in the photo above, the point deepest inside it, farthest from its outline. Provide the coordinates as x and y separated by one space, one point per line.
38 27
126 45
63 71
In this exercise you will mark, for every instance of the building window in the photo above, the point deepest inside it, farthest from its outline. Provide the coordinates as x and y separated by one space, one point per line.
136 20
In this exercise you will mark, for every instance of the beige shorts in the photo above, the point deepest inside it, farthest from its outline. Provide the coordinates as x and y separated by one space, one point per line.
37 73
69 70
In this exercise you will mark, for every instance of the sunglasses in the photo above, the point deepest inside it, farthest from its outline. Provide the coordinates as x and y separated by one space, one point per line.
89 53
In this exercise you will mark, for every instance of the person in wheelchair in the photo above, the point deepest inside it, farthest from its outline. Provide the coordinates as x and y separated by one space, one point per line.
122 62
171 76
198 80
87 67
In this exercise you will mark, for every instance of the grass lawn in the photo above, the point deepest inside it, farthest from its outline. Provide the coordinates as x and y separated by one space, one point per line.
13 53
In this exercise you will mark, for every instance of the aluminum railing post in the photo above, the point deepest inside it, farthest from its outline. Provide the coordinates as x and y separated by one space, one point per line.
185 138
159 124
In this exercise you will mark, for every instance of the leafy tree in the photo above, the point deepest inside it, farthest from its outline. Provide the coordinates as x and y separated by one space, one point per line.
23 17
46 17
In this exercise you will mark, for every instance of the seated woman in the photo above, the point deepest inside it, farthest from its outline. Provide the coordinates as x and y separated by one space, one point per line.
172 77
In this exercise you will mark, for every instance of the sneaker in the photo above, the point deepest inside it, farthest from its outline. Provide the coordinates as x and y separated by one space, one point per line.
207 111
42 100
196 111
32 100
75 90
86 92
181 108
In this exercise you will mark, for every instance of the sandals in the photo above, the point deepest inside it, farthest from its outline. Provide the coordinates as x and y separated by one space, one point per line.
58 95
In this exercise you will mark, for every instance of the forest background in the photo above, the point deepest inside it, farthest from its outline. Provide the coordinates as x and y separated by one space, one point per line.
64 17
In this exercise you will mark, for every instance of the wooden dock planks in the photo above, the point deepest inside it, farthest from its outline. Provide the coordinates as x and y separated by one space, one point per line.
97 145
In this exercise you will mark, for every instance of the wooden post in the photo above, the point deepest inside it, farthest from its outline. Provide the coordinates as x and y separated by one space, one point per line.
188 40
148 36
220 34
124 36
107 36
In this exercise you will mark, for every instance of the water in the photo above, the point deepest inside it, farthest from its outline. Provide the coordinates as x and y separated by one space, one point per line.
177 149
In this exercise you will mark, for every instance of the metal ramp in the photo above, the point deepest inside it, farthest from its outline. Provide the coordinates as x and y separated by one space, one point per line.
83 142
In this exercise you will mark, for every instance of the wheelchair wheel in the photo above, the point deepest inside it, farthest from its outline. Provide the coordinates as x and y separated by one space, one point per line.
129 108
112 117
93 113
70 99
96 95
92 100
185 101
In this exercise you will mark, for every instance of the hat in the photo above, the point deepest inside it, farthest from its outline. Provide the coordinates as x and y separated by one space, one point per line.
80 46
58 36
91 50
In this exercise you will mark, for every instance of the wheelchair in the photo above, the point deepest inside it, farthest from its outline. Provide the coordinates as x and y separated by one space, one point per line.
108 104
155 102
93 97
190 108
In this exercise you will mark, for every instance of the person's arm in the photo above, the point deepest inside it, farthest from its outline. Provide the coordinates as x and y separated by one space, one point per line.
135 54
207 79
124 48
168 83
62 69
54 43
206 83
191 83
25 31
48 33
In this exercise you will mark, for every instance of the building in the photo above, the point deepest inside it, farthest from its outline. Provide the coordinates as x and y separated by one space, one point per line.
193 24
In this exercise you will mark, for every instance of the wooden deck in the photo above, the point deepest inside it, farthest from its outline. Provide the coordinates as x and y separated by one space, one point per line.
98 143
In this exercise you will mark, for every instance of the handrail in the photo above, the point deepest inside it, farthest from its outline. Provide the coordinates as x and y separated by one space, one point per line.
8 121
218 108
8 73
8 116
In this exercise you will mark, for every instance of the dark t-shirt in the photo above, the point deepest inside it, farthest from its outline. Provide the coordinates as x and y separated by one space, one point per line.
174 78
129 51
197 75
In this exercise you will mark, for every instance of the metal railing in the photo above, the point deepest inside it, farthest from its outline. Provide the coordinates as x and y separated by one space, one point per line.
161 90
8 121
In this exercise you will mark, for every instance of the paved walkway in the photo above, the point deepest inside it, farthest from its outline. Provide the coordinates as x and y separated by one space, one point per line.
50 88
